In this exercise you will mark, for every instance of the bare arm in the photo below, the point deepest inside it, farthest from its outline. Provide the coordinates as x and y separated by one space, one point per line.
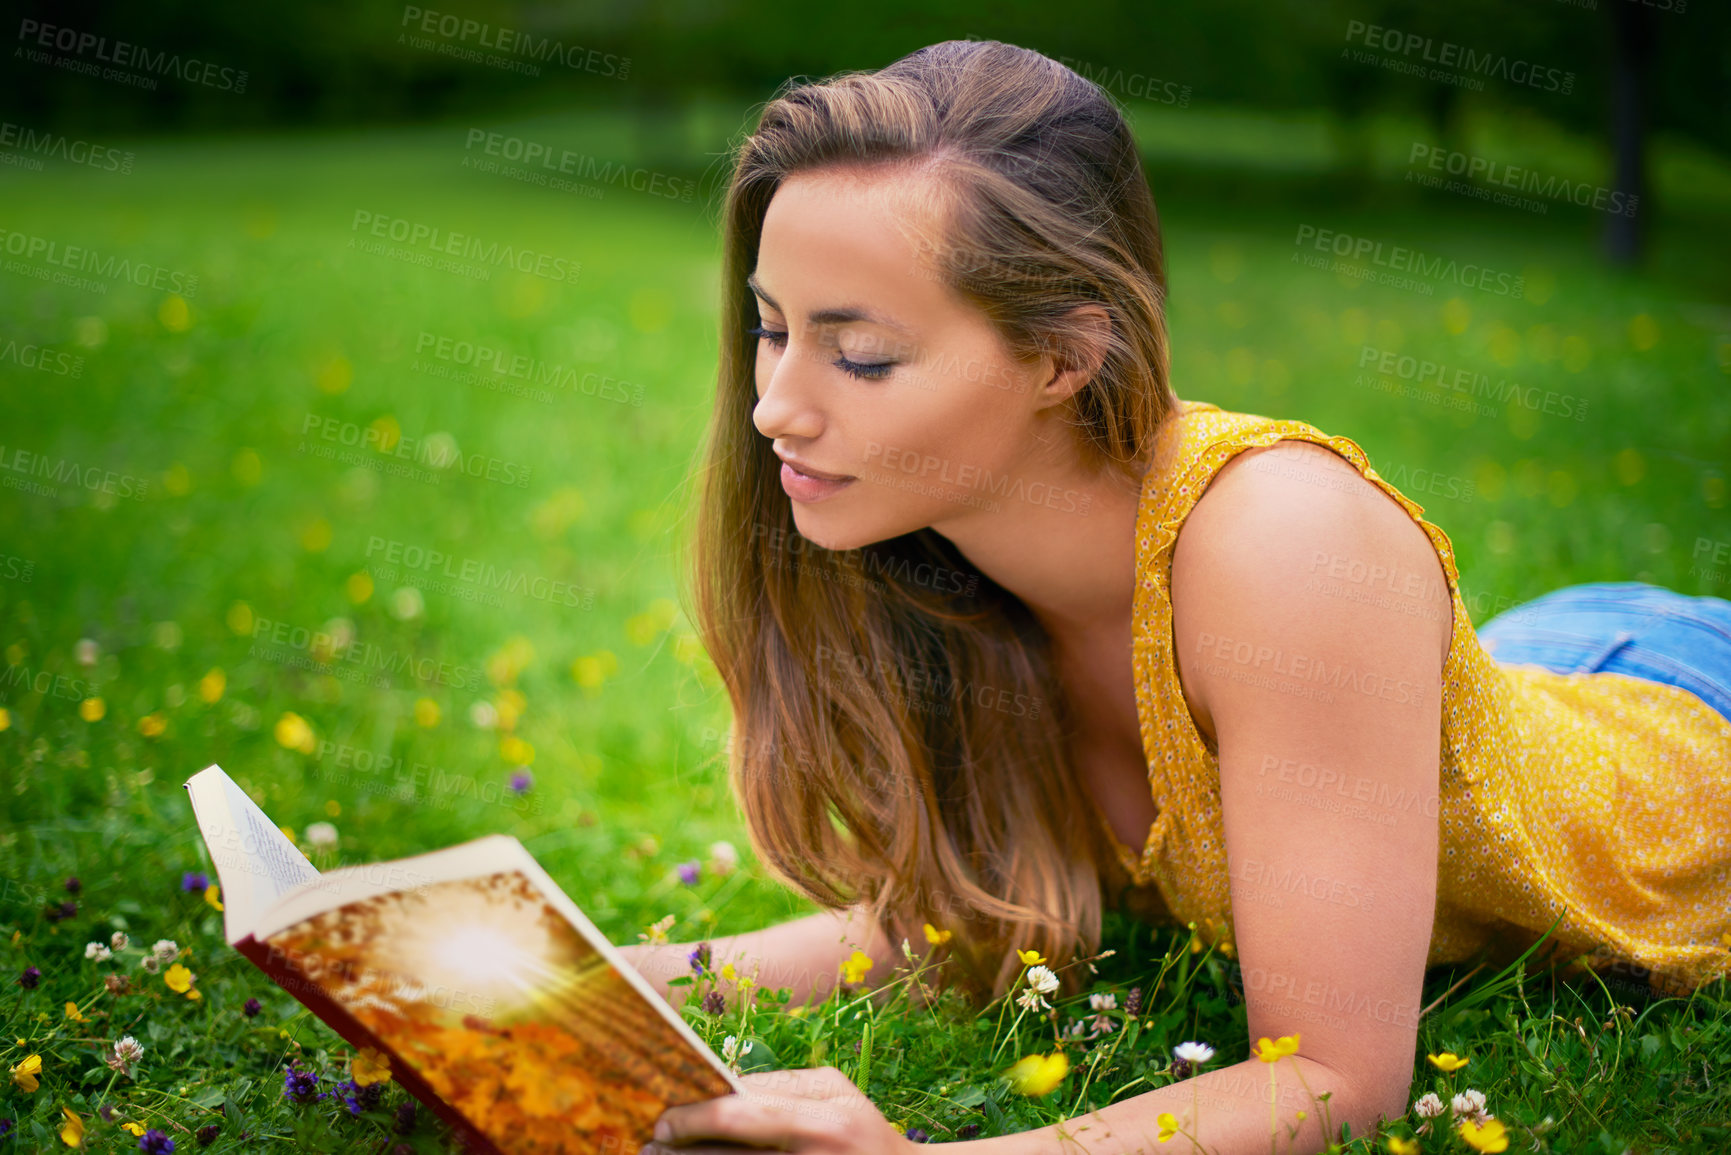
1332 905
804 954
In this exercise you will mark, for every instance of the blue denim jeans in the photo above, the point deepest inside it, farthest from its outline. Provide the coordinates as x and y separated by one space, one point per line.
1633 628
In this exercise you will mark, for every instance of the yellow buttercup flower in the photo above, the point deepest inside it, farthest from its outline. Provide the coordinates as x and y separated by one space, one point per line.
1273 1052
1399 1146
73 1013
92 709
936 936
1489 1138
73 1133
855 966
135 1128
1030 958
728 973
213 895
1037 1075
179 980
369 1067
1447 1062
26 1073
1168 1123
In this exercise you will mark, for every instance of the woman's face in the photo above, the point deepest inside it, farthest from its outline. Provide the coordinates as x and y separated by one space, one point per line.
875 372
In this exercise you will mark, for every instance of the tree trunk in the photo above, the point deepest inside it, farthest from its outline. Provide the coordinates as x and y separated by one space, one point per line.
1633 29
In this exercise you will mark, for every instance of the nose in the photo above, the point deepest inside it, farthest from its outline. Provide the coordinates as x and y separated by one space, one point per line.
786 402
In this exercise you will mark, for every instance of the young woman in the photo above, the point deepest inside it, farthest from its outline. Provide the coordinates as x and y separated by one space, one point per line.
1011 631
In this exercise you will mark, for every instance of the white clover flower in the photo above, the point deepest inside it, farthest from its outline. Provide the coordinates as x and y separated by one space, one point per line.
483 714
1074 1029
1469 1103
150 963
126 1052
1105 1002
165 950
1030 1000
1428 1107
1042 979
88 651
97 951
119 940
1197 1053
321 834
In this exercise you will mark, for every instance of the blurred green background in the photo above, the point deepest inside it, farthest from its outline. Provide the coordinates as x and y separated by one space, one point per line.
207 472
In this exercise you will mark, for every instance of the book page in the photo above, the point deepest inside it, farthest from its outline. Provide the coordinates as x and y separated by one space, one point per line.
500 1005
254 860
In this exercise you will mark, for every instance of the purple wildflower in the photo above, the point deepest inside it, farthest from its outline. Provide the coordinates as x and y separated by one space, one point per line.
73 886
522 780
29 978
915 1135
301 1086
967 1130
154 1142
5 1128
689 872
699 957
195 881
65 910
405 1118
207 1134
360 1098
714 1003
1133 1004
252 1008
107 1112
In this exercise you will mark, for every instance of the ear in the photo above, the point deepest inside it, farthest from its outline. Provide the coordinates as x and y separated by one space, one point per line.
1076 359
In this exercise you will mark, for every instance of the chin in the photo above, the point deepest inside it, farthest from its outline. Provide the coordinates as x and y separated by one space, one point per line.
838 534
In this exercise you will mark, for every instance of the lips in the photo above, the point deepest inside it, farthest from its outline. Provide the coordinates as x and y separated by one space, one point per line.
801 467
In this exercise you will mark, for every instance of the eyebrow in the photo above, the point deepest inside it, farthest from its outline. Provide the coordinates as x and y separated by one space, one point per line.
841 316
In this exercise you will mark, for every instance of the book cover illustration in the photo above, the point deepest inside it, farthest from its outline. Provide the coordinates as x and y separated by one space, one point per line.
506 1012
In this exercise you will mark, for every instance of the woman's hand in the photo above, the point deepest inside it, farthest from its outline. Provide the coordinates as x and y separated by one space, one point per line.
815 1109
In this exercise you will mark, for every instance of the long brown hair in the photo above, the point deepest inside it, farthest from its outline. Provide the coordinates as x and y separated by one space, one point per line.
899 737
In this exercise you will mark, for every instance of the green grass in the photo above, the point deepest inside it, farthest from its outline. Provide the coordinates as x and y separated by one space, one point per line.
240 525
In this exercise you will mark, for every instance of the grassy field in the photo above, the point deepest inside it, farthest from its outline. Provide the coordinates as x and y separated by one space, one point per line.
256 459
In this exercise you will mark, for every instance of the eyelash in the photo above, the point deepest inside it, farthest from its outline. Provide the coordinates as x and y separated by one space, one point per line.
864 372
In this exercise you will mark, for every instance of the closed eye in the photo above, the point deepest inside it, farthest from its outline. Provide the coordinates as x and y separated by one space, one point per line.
865 370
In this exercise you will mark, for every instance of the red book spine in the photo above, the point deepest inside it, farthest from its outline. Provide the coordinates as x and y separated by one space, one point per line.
312 996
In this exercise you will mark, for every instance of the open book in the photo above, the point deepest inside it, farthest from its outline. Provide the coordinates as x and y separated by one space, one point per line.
498 1003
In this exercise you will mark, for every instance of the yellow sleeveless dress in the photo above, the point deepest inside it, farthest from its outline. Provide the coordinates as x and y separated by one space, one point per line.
1600 797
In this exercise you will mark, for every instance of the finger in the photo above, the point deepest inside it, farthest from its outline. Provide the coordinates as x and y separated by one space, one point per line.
761 1119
